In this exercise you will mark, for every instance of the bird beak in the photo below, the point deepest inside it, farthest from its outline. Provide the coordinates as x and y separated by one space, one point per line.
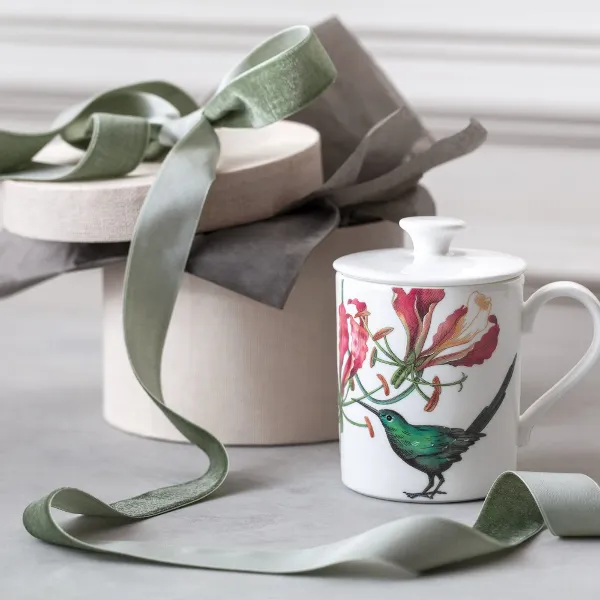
375 412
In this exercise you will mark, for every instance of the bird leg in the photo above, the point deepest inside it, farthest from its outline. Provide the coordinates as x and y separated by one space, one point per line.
425 492
441 480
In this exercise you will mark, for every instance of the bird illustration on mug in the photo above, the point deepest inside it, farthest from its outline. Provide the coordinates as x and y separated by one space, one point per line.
433 449
466 337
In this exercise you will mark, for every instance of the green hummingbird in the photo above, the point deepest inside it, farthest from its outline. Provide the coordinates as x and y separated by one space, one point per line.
433 449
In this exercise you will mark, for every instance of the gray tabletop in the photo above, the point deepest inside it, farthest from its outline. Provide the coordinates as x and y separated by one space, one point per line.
53 435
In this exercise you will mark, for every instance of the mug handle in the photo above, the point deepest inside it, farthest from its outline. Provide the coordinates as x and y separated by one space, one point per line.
530 310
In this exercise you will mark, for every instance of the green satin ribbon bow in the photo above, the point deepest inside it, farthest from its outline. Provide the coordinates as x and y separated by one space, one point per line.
123 127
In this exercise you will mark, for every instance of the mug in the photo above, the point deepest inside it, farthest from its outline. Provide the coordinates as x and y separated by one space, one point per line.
429 384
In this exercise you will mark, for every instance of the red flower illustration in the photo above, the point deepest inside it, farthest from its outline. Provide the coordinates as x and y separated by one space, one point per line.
415 311
352 340
467 337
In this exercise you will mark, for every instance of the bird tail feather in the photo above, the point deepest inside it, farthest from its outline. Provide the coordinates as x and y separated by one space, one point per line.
485 416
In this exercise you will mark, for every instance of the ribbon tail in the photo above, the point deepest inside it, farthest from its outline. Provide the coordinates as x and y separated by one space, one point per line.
159 251
518 507
158 254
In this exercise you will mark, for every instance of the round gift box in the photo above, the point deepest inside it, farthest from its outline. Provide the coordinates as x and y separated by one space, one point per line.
249 373
260 172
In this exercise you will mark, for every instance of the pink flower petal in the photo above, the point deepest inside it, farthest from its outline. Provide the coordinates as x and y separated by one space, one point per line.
425 298
359 348
354 340
404 305
427 315
346 373
447 329
478 352
413 309
360 306
342 334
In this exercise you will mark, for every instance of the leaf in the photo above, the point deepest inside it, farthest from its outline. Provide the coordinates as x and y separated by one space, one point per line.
373 357
382 333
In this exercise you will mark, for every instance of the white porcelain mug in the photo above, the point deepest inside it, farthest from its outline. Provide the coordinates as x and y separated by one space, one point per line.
428 365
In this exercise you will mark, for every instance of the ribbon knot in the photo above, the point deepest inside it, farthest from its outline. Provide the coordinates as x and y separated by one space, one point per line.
170 130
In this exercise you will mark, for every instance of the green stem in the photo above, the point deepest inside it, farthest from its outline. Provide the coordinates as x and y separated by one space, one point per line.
389 354
393 400
380 347
340 370
425 397
422 381
400 362
367 395
353 422
407 392
386 362
341 401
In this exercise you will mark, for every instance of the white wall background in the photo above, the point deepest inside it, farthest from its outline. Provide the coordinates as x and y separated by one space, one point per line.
529 70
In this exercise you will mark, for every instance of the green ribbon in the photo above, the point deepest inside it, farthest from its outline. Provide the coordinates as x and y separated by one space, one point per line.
119 129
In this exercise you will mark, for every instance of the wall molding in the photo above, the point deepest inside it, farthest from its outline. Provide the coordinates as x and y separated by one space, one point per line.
202 34
526 87
532 190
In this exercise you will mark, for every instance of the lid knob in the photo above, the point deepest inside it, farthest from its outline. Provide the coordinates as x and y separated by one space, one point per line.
431 236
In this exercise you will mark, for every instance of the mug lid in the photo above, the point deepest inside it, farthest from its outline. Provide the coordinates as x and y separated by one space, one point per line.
432 262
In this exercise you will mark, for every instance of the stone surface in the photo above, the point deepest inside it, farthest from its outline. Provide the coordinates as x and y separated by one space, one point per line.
53 435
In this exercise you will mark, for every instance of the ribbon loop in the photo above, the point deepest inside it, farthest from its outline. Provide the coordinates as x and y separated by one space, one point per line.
276 80
153 101
130 134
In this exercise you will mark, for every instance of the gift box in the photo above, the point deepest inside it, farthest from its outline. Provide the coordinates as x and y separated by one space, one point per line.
250 353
